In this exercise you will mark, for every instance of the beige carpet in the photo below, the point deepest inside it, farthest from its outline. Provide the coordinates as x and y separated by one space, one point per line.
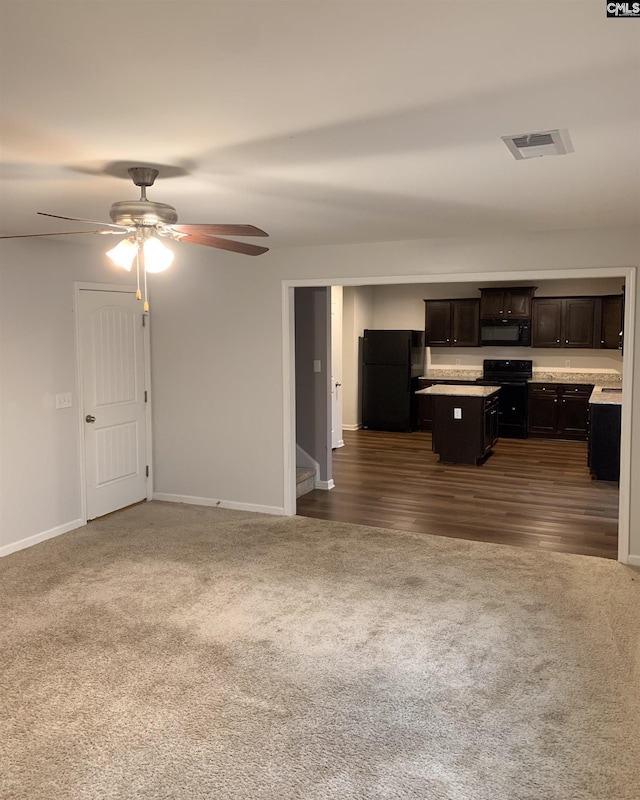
180 652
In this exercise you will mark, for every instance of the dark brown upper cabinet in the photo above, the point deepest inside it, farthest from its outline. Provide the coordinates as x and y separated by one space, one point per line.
452 323
566 322
610 334
506 302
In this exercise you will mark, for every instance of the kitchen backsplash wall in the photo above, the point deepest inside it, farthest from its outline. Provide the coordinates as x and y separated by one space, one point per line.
570 358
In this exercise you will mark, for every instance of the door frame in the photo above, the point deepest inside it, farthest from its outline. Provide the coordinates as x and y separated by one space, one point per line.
629 274
336 380
122 288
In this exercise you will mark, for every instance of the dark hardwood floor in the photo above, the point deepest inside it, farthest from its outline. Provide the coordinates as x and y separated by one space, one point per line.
531 493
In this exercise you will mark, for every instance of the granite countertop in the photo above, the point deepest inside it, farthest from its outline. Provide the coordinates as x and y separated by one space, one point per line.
460 391
613 379
604 395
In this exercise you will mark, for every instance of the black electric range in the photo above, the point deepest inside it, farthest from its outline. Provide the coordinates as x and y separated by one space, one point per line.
512 376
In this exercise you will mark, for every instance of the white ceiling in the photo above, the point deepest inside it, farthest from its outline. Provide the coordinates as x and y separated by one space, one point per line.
321 121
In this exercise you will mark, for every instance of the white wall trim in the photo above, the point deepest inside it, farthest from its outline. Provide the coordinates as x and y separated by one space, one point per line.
634 561
325 484
626 272
289 398
212 502
624 506
22 544
356 427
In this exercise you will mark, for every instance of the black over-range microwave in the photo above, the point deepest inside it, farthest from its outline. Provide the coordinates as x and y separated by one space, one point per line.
505 332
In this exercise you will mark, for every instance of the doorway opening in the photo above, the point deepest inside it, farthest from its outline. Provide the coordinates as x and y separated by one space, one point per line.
463 506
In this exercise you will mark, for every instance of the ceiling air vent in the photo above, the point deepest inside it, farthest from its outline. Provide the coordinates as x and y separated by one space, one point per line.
535 145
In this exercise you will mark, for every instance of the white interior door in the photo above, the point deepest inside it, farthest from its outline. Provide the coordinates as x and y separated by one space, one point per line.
336 367
111 344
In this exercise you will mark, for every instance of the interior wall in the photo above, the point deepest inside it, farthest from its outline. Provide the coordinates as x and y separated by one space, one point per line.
313 386
39 444
217 358
357 316
217 378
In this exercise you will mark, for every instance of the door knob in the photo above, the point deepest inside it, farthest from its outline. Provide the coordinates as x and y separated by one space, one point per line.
89 418
338 384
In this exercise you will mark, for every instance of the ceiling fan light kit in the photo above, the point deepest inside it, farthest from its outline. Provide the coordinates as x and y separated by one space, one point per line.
145 222
123 254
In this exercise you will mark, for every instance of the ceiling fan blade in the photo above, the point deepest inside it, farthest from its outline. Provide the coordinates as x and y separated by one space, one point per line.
60 233
225 244
220 230
79 219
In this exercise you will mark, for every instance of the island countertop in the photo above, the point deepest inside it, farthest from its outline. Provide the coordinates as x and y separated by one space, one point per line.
460 391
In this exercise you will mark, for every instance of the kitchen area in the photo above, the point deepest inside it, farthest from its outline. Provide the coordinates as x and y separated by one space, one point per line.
531 397
521 384
534 401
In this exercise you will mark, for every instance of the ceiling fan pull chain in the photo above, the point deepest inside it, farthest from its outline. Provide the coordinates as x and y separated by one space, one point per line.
144 269
138 292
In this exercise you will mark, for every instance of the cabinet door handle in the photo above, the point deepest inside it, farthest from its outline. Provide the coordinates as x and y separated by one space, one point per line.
557 341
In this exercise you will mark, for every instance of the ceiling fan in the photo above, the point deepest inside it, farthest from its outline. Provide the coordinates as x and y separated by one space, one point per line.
144 223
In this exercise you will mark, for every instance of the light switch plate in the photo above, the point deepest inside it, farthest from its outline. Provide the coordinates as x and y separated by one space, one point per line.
317 365
63 400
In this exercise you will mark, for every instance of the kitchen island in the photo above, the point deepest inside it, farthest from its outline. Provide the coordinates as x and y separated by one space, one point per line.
465 422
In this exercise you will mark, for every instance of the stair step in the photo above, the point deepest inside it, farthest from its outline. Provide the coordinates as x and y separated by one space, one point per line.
305 480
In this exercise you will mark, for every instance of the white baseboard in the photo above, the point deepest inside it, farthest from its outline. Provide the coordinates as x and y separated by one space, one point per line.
340 444
325 484
634 561
7 549
210 501
351 427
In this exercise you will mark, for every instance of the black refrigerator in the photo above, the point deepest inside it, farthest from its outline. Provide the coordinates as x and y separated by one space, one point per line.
392 362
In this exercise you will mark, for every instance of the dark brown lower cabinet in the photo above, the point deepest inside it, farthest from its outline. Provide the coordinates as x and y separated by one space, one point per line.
465 429
559 411
604 441
425 407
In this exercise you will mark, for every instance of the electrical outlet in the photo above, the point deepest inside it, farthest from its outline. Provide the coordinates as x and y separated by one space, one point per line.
457 413
567 363
457 362
63 400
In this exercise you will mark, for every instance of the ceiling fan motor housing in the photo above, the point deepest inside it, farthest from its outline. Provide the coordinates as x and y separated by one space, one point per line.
147 213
